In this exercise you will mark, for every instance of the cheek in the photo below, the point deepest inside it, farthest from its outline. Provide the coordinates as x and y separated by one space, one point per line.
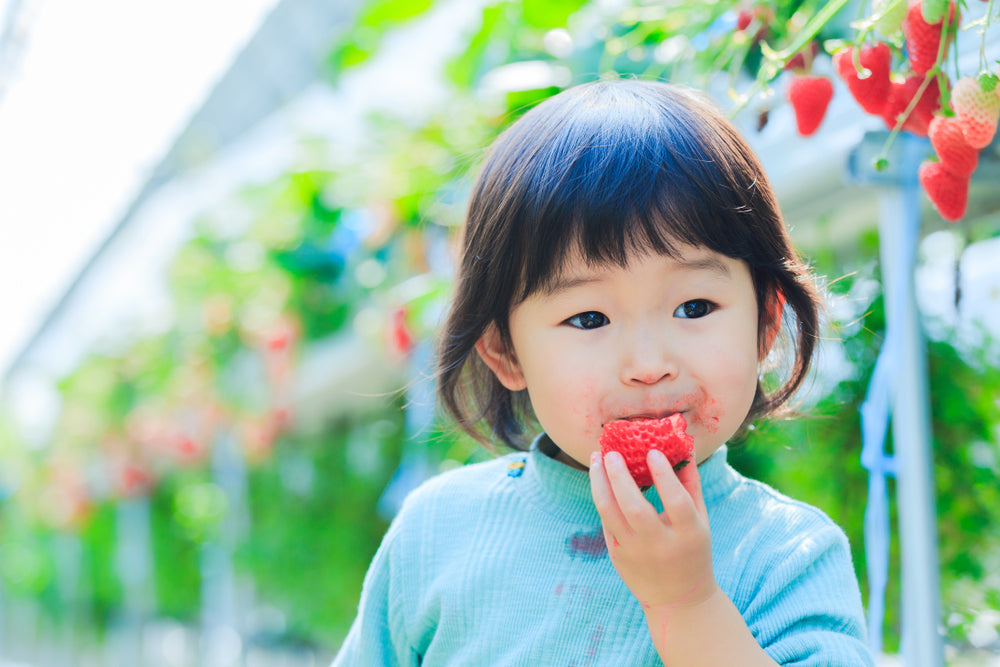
563 393
728 398
582 401
708 411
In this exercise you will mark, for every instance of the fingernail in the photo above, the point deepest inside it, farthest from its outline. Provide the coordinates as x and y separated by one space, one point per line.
594 458
656 459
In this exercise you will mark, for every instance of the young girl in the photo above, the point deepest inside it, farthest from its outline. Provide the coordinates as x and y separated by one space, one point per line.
623 258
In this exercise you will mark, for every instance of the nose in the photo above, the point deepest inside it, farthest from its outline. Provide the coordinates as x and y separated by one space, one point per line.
648 357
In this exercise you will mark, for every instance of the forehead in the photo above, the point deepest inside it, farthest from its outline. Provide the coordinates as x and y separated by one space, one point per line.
577 270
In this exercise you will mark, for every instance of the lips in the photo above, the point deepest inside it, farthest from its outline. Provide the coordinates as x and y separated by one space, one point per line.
647 416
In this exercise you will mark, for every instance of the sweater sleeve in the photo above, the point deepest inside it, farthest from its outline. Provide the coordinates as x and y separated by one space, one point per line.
377 636
808 610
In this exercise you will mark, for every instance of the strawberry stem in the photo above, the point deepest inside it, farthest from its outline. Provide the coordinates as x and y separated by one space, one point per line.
983 64
935 71
774 61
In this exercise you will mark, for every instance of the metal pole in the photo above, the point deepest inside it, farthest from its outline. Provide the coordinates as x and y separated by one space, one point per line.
899 224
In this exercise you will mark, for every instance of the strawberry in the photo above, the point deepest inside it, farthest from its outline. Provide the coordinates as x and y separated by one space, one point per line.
977 110
134 480
400 336
949 143
634 438
923 38
743 19
949 193
900 95
803 60
872 91
809 97
761 13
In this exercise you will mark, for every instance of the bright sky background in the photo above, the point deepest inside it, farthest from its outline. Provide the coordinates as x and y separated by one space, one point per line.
102 89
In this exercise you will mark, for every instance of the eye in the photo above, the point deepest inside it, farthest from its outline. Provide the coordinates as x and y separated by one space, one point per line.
694 309
589 320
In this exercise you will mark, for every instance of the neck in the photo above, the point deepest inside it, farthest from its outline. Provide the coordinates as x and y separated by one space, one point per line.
552 450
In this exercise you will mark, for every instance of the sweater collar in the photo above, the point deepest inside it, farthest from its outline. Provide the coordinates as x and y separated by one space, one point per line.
564 491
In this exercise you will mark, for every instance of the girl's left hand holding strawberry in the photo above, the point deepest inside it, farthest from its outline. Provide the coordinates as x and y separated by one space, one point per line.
665 559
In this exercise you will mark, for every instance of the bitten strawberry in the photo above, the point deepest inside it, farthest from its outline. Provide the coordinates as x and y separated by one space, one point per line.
634 438
949 143
923 38
949 193
870 92
809 97
977 110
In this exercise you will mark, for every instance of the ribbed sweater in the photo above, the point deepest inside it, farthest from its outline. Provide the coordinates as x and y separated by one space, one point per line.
504 563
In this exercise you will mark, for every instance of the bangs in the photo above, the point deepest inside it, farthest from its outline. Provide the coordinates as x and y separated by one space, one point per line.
630 171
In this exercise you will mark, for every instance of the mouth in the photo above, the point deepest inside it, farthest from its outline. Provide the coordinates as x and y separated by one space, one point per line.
649 416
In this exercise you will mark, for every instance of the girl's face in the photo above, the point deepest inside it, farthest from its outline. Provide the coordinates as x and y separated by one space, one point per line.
661 336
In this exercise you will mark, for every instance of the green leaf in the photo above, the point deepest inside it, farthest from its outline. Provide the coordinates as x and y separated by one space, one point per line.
383 14
549 13
350 55
465 69
988 81
377 18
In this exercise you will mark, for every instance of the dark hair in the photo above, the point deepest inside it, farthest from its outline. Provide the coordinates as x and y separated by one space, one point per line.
610 168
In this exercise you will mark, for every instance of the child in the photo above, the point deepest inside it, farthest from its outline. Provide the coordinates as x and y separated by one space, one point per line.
623 258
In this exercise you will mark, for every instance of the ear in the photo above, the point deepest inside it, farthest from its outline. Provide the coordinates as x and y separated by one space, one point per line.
775 308
500 360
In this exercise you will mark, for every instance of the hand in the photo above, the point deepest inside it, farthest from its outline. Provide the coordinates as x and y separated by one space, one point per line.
665 559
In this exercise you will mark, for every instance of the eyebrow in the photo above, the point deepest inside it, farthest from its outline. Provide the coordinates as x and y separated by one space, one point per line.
711 264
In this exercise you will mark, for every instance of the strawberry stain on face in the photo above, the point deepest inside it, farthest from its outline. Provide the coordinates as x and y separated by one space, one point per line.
704 411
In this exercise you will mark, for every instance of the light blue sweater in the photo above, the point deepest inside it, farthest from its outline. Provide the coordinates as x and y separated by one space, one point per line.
502 564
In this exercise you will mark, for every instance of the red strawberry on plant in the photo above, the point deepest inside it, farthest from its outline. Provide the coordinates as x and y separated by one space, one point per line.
923 38
803 60
900 96
871 91
743 19
134 480
634 438
809 96
400 335
949 193
949 143
977 110
760 12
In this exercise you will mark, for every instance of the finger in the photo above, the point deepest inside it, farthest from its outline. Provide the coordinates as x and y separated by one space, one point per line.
613 521
690 479
678 505
634 506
